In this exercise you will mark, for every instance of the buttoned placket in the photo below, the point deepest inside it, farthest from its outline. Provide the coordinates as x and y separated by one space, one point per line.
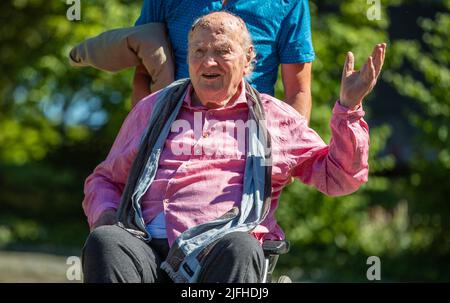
203 130
203 133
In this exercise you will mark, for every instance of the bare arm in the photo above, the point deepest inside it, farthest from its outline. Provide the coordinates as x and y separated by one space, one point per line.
297 86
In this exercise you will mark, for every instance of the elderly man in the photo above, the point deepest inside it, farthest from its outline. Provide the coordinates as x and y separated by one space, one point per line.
186 194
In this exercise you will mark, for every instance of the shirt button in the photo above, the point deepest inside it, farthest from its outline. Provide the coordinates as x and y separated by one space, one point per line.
198 151
205 134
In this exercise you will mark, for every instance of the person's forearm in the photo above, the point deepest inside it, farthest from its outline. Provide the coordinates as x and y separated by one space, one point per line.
100 194
301 102
297 87
346 166
104 187
341 167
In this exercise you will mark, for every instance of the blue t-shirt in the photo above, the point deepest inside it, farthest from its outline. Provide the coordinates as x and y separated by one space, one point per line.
280 29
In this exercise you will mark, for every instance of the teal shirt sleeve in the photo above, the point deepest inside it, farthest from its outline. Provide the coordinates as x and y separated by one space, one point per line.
295 38
152 11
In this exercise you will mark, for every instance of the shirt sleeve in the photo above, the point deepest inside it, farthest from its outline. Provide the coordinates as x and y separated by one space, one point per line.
103 188
151 11
295 39
341 167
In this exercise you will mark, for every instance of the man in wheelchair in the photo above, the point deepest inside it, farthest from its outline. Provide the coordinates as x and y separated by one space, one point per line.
189 189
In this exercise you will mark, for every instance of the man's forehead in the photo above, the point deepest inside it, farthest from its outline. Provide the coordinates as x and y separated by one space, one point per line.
207 36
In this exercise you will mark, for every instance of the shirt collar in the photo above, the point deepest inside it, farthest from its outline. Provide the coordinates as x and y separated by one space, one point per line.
241 99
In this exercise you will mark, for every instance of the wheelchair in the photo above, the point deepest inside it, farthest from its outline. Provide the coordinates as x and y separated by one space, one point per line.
272 250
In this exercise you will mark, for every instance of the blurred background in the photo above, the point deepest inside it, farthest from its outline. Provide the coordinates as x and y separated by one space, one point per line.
57 123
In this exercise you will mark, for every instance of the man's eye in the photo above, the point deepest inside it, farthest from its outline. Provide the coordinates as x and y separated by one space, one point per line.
223 52
199 52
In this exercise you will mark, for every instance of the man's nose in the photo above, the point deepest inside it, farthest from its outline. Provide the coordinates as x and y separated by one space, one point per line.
209 61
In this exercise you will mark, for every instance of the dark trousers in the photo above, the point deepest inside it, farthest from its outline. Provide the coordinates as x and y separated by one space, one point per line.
111 254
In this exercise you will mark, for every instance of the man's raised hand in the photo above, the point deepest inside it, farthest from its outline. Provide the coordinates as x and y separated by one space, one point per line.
355 85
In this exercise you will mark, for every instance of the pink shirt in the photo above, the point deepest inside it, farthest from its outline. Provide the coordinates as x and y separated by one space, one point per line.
201 169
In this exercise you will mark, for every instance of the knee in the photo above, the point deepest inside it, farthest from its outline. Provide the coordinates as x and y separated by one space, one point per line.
101 254
101 240
237 257
243 246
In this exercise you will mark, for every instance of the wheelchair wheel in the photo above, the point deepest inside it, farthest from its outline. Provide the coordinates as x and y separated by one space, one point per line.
284 279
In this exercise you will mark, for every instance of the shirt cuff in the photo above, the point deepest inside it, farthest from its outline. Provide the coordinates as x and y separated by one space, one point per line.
342 110
99 210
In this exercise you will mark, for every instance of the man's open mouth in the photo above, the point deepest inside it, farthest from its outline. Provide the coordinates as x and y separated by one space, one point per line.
211 75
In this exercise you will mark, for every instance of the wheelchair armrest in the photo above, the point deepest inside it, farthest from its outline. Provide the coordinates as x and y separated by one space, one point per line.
271 247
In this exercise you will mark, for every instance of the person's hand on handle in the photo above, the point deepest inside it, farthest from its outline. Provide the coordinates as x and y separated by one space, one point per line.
108 217
355 85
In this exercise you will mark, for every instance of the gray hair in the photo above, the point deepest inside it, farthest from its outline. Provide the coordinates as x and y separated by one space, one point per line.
246 39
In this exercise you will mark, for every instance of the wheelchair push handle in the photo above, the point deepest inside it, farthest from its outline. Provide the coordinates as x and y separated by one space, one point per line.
275 247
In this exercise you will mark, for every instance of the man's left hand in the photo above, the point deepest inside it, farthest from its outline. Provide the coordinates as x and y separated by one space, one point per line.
355 85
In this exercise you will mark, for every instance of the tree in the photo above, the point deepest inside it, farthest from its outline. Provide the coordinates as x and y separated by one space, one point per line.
56 122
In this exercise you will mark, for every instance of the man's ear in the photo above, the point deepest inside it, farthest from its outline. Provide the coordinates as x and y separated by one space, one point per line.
248 59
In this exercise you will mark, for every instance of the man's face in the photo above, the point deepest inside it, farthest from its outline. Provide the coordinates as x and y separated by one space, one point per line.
217 64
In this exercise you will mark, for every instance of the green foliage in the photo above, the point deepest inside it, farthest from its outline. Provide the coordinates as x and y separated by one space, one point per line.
426 187
395 217
54 119
45 102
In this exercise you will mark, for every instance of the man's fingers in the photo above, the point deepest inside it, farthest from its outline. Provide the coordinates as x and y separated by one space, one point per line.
349 64
365 67
372 70
378 58
368 72
375 51
383 55
378 55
